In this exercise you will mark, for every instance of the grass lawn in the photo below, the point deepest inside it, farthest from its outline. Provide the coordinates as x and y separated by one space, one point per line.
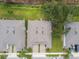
18 11
75 19
57 45
3 56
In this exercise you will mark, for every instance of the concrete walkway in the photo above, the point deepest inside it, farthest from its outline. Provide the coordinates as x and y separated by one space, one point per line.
53 53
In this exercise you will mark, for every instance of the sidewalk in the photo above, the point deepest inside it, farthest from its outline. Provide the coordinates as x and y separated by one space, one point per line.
53 53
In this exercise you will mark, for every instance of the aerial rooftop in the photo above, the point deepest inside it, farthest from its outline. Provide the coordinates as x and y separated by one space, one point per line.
39 32
12 32
72 37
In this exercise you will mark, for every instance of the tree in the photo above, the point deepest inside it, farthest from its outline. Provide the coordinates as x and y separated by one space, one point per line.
58 13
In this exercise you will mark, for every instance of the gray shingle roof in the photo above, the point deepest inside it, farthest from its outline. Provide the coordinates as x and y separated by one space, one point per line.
72 36
12 32
39 32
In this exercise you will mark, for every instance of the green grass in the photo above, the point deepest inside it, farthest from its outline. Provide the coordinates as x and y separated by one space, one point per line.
3 56
75 19
19 11
57 45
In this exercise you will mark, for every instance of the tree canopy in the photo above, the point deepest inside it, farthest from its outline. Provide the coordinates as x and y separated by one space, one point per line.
58 13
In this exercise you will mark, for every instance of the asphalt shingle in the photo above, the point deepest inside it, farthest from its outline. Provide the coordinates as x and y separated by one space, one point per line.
12 33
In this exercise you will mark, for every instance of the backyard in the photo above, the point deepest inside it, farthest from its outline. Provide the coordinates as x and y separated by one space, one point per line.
19 11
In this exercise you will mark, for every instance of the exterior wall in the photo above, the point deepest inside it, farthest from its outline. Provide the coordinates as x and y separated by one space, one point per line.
41 1
71 1
1 0
27 1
